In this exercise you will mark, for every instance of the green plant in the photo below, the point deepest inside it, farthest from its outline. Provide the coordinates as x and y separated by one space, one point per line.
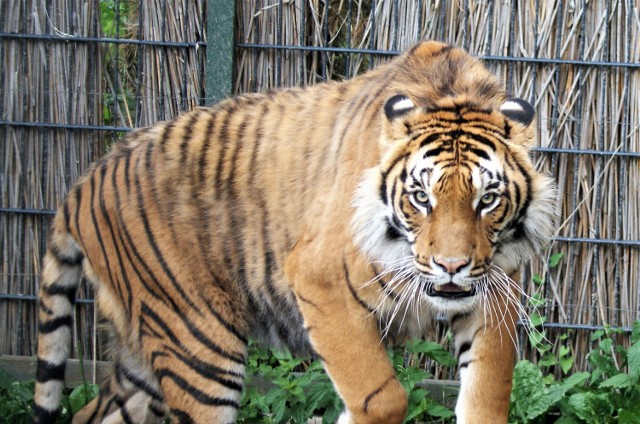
608 393
282 389
16 398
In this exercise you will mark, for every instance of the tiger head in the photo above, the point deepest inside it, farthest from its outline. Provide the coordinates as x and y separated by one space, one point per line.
455 203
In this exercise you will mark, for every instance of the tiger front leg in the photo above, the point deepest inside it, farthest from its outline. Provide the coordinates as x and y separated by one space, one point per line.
344 334
485 344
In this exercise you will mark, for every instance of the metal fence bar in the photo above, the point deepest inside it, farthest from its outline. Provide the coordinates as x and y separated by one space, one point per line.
105 40
531 60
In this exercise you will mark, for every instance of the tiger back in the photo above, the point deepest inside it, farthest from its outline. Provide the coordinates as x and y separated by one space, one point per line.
323 219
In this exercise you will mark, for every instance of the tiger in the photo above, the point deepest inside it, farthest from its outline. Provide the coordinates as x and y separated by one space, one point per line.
332 220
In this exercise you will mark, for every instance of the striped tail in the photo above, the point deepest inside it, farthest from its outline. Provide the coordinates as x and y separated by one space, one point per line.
61 275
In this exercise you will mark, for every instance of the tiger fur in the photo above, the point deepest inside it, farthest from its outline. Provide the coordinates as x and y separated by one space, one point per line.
326 219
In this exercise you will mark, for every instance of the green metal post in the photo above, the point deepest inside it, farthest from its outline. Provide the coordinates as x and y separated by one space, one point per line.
220 52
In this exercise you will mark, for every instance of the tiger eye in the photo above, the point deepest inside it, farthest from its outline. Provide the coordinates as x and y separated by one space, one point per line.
421 197
488 198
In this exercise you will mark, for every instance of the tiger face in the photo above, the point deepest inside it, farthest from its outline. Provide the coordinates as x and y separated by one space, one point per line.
456 204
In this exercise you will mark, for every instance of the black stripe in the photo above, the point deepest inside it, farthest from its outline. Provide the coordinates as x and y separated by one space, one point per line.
200 396
352 290
56 289
164 139
436 151
117 282
98 234
209 371
195 332
464 347
392 232
125 415
117 241
236 220
43 416
307 301
384 174
78 195
47 371
156 250
66 214
127 172
186 137
156 411
54 324
204 150
44 308
63 258
465 364
226 324
482 140
223 142
134 249
479 152
365 405
182 416
121 407
137 381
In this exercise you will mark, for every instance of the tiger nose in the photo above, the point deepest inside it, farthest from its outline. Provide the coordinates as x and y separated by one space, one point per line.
452 266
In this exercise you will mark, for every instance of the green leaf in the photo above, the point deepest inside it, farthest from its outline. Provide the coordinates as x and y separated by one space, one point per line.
548 361
529 393
591 407
554 260
627 417
564 350
574 380
536 338
619 381
536 300
437 410
566 363
536 319
596 335
433 351
82 395
635 333
537 279
633 361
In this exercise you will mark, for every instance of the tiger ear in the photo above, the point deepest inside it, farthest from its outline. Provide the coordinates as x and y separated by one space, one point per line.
397 106
397 117
518 110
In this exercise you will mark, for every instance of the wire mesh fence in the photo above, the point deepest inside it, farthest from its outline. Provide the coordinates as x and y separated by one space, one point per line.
77 75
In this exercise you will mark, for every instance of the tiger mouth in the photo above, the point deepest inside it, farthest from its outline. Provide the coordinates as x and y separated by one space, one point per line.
451 291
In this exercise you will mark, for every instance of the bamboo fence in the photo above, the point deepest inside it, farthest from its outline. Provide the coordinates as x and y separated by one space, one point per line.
578 62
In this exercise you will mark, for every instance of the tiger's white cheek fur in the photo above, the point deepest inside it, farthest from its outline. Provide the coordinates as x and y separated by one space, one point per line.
370 223
539 226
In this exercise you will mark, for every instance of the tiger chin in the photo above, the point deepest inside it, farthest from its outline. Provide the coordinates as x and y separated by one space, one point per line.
331 220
